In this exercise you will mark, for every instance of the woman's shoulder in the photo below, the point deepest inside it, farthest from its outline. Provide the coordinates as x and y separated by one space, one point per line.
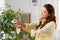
51 23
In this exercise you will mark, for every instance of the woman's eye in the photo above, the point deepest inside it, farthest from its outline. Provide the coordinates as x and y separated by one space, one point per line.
44 12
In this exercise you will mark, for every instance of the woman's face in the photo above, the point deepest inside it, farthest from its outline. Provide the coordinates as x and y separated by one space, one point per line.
44 12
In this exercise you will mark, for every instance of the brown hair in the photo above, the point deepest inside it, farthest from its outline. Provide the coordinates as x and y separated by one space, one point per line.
51 17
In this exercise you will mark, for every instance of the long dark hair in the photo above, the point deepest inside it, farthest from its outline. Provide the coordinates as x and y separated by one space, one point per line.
51 17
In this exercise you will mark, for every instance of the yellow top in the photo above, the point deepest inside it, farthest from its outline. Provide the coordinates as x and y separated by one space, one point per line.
44 33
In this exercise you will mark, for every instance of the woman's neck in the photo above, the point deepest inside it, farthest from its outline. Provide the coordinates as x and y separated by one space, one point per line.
43 20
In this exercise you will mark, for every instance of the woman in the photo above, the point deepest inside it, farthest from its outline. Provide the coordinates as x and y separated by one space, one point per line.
43 28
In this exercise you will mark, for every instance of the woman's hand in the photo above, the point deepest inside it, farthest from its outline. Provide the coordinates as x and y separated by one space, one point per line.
21 25
18 23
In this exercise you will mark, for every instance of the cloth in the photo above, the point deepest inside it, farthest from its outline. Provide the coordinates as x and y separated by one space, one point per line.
44 33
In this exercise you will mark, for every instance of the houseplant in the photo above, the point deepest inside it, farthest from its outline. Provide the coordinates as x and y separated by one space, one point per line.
7 16
7 27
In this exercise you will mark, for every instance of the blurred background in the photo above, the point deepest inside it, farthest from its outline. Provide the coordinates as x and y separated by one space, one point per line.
33 8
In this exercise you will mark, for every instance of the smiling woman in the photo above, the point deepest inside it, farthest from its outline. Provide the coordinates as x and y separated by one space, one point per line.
42 29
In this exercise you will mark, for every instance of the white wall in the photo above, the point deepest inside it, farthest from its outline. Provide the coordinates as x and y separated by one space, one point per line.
2 2
59 12
26 6
2 5
58 29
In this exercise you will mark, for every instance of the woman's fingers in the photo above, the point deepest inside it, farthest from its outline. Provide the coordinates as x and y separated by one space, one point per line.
19 26
15 22
18 23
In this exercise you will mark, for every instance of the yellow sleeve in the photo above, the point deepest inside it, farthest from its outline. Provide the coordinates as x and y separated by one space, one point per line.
33 33
32 25
49 28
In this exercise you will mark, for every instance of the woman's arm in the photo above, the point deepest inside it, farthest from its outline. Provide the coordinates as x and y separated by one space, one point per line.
27 30
21 25
26 27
